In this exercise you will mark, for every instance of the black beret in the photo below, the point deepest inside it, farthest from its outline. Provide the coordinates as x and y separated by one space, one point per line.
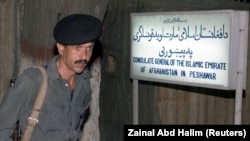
76 29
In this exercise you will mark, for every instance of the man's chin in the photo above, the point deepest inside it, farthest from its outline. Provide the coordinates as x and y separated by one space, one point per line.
79 70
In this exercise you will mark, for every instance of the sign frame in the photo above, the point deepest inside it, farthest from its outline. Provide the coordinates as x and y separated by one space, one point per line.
237 52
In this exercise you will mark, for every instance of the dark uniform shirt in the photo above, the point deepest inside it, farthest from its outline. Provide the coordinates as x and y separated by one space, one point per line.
62 113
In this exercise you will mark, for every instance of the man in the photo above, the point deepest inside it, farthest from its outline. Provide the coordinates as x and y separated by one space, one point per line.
68 94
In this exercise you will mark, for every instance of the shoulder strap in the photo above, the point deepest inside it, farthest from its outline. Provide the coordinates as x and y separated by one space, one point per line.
33 119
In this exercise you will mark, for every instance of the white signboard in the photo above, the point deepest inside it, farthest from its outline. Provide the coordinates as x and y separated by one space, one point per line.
197 48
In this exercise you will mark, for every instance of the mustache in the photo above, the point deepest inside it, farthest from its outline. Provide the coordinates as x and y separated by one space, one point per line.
81 61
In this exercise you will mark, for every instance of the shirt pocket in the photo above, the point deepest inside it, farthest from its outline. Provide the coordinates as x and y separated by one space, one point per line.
53 118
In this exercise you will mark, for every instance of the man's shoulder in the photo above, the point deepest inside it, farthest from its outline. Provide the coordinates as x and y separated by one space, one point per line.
31 73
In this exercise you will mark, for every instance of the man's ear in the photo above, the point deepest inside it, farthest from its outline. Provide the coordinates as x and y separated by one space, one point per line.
60 48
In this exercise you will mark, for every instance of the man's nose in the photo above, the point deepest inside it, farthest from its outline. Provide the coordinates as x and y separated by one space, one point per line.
83 53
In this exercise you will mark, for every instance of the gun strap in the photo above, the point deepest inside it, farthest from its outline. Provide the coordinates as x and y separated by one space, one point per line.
33 119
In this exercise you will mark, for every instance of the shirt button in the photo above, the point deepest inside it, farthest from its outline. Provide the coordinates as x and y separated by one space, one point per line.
66 84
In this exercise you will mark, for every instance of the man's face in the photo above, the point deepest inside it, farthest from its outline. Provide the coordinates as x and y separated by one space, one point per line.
76 57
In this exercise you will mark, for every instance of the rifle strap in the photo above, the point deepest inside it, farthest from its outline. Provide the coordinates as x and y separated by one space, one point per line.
33 119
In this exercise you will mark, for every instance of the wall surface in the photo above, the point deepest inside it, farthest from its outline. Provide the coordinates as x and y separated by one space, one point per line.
7 43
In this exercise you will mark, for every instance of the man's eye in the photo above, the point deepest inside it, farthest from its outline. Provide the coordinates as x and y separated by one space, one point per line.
77 47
